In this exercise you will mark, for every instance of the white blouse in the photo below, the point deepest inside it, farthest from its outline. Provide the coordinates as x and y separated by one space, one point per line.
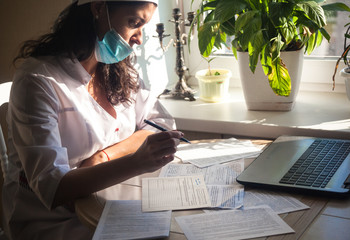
54 124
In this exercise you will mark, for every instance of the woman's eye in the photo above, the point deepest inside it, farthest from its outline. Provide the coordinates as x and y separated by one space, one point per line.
135 24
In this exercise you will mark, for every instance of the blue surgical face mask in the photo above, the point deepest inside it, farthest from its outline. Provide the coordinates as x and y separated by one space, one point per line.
113 48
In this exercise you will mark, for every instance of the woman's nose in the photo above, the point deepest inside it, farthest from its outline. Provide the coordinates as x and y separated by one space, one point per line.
137 37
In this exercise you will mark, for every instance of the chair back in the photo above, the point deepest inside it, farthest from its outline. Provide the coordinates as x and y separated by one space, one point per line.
4 98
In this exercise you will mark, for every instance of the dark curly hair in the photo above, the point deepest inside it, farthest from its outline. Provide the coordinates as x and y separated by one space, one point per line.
73 35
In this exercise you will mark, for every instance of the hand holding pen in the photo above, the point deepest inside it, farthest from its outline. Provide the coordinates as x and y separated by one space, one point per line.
162 129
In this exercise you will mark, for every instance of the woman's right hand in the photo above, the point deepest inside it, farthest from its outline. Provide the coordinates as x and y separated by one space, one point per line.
157 150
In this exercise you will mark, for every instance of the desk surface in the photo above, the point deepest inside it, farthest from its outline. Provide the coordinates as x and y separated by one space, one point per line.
316 114
326 219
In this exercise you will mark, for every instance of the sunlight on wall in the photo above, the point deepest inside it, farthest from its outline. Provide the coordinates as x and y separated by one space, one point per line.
157 68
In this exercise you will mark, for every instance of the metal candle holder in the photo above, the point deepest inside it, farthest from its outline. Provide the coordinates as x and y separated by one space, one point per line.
181 90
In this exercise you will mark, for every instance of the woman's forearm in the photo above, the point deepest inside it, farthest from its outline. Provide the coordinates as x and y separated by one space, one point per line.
129 145
118 150
153 153
81 182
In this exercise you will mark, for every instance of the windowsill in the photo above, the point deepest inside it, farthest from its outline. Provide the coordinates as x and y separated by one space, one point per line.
318 114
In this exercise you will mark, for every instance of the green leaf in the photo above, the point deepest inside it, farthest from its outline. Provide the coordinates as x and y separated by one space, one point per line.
253 58
210 5
303 20
244 19
206 37
311 44
265 59
249 23
319 38
325 34
254 49
225 10
220 39
279 79
234 47
229 26
314 12
288 30
279 12
336 7
276 47
255 4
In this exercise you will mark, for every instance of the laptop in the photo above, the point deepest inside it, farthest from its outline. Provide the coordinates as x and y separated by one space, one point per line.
302 164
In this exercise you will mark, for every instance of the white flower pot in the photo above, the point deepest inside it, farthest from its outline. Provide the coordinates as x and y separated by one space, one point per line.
213 88
346 76
257 91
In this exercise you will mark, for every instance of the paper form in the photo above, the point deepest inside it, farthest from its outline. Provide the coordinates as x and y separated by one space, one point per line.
123 219
221 183
207 154
223 174
174 193
279 202
226 196
233 224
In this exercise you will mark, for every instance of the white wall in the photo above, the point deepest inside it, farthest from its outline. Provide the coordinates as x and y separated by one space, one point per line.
21 20
156 67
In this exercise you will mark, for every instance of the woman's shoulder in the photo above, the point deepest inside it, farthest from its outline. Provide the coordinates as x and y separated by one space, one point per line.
38 74
40 66
51 68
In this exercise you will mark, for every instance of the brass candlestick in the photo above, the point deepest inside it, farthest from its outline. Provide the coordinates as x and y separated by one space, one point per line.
181 90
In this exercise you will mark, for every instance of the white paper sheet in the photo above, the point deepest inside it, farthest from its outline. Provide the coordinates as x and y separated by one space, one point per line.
226 196
233 224
221 183
207 154
123 219
174 193
223 174
278 201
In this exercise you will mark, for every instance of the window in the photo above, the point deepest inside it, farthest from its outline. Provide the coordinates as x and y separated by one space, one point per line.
318 67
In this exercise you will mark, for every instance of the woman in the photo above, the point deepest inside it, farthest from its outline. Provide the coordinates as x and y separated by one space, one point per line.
76 118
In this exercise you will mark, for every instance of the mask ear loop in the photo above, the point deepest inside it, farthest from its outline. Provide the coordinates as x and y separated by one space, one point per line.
109 21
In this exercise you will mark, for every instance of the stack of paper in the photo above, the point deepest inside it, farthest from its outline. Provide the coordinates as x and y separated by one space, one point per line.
208 154
125 220
174 193
233 224
221 183
209 182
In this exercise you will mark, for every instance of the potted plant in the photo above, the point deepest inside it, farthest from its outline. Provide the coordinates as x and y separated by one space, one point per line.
345 72
213 82
263 31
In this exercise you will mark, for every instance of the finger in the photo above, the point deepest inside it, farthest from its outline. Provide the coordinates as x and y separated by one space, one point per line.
169 143
162 152
166 159
161 136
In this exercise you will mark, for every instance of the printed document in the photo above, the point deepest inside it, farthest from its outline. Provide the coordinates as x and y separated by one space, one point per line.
174 193
226 196
221 183
123 219
233 224
222 174
207 154
279 202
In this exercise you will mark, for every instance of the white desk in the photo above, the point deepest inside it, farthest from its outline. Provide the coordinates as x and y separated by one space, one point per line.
315 114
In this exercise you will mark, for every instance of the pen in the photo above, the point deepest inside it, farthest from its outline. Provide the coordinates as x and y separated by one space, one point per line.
162 129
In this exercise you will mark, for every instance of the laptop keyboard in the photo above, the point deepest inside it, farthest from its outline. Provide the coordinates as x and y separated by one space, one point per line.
318 164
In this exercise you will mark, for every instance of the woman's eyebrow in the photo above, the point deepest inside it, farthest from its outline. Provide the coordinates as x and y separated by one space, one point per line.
141 19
